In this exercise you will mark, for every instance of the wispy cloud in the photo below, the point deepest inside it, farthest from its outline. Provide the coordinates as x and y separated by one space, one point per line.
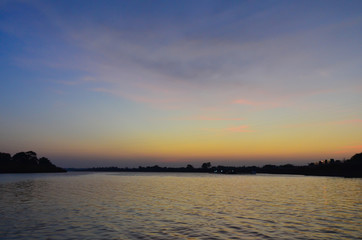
135 98
233 129
239 129
311 124
256 103
159 102
350 149
208 118
354 147
347 121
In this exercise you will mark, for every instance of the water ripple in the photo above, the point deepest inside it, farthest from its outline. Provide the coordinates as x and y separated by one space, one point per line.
179 206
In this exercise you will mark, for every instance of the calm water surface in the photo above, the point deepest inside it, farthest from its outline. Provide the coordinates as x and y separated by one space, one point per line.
178 206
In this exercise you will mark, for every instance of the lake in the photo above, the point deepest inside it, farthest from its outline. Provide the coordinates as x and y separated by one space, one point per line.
178 206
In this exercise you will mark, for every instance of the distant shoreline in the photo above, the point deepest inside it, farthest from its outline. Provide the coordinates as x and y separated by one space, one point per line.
28 162
351 168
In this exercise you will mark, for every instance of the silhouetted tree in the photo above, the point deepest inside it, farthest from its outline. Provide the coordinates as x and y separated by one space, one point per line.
25 158
356 158
5 157
45 162
206 165
189 166
5 162
25 162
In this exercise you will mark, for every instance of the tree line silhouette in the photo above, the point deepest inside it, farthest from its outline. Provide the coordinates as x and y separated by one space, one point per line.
342 168
26 162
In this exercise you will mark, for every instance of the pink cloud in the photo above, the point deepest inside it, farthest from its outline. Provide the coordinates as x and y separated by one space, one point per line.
349 149
354 147
342 152
347 121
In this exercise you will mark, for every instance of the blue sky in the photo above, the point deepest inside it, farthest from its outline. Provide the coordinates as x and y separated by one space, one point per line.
172 82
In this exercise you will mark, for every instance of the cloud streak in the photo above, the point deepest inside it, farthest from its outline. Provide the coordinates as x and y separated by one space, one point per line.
332 123
207 118
158 102
347 122
232 129
256 103
350 149
239 129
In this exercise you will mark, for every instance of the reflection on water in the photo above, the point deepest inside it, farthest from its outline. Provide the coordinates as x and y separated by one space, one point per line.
179 206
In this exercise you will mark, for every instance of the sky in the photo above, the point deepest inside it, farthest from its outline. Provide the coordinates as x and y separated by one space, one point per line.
129 83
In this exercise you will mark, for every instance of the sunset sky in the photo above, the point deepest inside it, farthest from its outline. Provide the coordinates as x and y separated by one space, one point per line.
128 83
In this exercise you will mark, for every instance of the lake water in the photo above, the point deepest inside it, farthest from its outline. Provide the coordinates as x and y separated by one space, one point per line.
178 206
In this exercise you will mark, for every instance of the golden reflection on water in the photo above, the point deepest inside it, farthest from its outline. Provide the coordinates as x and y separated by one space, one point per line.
180 206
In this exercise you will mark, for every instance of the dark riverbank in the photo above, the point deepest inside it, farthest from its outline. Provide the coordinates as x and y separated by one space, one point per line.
340 168
26 162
